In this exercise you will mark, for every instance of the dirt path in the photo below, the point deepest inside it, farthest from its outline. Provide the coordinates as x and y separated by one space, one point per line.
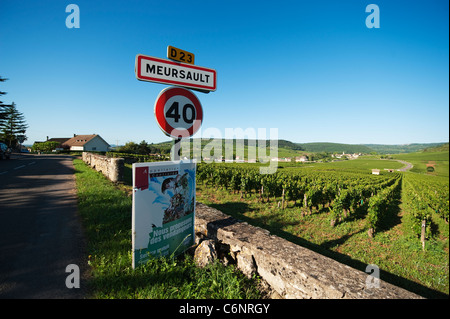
406 168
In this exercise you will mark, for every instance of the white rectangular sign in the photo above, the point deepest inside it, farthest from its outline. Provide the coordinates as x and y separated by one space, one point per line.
158 70
163 209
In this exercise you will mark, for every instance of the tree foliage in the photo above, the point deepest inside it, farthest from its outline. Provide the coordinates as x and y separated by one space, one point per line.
13 126
48 146
12 123
2 105
143 148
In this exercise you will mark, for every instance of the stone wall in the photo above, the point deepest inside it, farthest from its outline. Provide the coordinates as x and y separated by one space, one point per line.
112 168
294 272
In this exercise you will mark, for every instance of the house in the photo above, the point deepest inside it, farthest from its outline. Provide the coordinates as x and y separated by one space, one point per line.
280 159
301 159
92 142
338 155
375 171
348 156
239 159
353 156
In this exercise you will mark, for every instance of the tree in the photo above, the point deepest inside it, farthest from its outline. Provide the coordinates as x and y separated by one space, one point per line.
12 126
2 106
12 122
129 147
48 146
143 148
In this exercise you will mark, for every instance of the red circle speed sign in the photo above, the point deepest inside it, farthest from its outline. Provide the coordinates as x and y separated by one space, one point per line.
178 112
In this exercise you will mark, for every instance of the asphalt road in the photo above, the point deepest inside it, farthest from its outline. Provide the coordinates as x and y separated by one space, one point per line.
405 168
40 231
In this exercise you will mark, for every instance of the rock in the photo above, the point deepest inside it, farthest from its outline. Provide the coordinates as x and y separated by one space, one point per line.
246 264
205 253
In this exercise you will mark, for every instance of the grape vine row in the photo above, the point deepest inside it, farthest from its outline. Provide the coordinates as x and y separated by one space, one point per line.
342 192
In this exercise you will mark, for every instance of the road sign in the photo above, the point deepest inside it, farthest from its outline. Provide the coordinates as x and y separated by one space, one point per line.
163 209
180 55
178 112
158 70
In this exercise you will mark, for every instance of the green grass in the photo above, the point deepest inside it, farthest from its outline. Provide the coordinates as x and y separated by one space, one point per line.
106 215
419 160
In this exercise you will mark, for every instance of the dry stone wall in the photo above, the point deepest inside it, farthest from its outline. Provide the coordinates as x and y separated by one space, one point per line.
294 272
112 168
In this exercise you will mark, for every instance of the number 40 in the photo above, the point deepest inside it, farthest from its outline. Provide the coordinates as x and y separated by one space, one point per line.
174 113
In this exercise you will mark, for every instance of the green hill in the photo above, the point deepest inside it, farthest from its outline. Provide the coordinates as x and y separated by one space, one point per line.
402 148
288 148
334 148
440 148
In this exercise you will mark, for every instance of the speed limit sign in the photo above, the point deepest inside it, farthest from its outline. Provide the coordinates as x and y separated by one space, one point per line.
178 112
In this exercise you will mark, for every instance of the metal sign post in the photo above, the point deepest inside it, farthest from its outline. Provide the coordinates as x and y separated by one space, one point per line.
163 208
176 153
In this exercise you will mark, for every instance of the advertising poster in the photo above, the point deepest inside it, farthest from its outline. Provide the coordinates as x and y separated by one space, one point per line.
163 209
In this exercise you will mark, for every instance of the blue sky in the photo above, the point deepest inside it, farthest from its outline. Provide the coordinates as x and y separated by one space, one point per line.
311 69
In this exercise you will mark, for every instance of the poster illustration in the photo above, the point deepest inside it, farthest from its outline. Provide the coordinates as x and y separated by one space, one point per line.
163 209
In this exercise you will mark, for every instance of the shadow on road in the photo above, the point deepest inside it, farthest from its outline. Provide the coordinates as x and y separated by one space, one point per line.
40 232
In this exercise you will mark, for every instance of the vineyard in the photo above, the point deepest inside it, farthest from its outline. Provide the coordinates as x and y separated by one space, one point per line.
425 197
342 193
344 200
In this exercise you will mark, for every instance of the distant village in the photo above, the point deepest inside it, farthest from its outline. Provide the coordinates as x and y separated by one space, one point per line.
96 143
297 159
305 158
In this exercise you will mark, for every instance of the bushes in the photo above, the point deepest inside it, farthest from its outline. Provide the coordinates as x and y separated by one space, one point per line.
133 158
381 203
46 147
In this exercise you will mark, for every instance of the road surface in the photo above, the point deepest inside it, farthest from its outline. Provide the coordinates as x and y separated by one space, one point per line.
405 168
40 231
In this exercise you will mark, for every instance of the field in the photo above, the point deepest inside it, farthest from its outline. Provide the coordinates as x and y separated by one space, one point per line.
340 210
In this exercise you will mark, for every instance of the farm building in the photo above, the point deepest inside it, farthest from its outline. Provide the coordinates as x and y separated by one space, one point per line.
92 142
301 159
376 172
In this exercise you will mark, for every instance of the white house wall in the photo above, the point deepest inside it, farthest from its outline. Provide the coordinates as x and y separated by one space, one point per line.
96 144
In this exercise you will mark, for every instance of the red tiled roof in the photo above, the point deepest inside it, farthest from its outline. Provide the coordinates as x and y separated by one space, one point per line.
79 140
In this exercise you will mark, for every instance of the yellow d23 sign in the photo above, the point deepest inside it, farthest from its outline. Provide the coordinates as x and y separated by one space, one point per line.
180 55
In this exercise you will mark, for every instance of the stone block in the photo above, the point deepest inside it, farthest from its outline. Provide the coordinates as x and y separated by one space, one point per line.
205 253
